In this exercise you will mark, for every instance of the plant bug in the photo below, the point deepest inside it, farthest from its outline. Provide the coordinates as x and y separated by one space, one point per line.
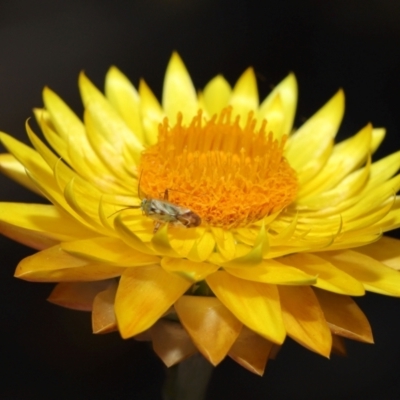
165 212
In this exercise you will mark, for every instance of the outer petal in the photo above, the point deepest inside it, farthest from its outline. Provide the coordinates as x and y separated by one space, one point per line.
43 220
179 94
329 277
171 342
375 276
255 304
344 316
338 346
251 351
304 320
12 168
386 250
144 295
106 249
55 265
212 327
271 271
77 295
103 314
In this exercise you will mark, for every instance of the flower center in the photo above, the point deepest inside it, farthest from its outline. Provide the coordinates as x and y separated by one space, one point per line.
230 176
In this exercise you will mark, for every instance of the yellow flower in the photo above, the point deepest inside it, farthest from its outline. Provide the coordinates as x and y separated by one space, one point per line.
268 231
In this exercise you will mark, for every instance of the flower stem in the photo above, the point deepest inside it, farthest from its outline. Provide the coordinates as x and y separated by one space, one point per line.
188 380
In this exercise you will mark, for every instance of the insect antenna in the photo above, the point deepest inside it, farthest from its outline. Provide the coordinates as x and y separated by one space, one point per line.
123 209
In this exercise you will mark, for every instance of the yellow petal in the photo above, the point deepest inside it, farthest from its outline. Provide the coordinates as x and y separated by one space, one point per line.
255 256
287 92
346 157
144 295
179 94
130 238
304 320
386 250
202 248
255 304
72 131
45 220
107 249
55 265
382 170
212 327
124 97
271 271
151 112
316 134
329 277
378 134
273 113
216 95
344 317
27 237
113 127
193 271
375 276
251 351
12 168
171 342
27 156
103 315
225 241
77 295
244 96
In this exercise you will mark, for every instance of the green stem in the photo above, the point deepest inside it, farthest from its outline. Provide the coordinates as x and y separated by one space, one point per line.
188 380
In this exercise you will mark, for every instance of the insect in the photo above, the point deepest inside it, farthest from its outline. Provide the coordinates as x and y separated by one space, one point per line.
165 212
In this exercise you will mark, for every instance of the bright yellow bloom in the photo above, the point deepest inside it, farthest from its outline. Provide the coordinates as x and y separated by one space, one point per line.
291 224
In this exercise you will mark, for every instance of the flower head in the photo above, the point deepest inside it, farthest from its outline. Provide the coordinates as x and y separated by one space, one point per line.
208 223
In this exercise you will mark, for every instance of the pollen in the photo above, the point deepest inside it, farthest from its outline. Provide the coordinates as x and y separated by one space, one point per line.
231 176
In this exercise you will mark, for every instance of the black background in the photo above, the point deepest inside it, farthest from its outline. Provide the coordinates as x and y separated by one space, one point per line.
48 352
